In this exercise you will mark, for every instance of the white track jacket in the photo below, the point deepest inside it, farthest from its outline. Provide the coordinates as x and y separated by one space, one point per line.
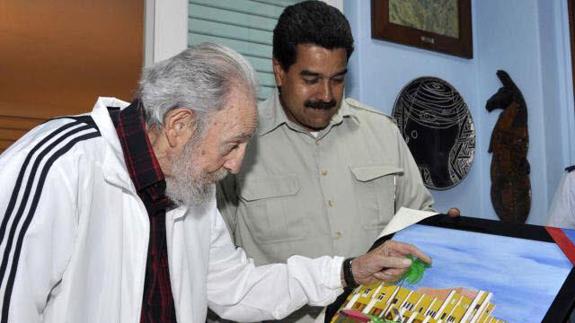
74 238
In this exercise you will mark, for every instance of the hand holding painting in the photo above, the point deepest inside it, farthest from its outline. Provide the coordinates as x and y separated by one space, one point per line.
388 262
453 212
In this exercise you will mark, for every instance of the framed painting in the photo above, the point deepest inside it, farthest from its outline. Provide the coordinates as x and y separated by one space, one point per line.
439 25
482 271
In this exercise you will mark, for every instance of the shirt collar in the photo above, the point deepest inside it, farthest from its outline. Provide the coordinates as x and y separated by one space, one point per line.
139 155
271 115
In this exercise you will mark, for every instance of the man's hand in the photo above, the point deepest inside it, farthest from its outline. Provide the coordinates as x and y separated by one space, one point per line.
387 262
453 212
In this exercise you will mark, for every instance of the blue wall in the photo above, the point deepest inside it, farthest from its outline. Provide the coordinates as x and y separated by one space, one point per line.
528 39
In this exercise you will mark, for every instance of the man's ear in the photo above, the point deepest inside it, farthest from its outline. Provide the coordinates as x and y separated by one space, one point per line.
279 72
179 125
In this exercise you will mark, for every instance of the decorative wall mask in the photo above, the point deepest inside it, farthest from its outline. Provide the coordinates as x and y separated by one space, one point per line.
510 185
437 126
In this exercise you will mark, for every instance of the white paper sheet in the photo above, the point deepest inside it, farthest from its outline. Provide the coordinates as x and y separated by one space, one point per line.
404 218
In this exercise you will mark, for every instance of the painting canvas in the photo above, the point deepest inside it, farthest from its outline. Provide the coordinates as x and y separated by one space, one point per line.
437 16
438 25
505 277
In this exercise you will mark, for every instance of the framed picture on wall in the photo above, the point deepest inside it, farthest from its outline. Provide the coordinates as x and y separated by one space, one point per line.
482 270
439 25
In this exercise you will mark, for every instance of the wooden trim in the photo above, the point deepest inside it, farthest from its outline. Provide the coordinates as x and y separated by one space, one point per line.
12 128
58 57
382 28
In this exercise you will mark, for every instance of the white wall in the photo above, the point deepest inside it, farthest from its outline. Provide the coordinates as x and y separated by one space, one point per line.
524 37
557 83
166 29
513 44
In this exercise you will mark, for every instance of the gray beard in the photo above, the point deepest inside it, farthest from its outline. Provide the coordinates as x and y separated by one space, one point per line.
189 185
189 194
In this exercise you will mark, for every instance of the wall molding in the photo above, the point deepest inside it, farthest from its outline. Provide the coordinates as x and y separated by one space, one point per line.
166 30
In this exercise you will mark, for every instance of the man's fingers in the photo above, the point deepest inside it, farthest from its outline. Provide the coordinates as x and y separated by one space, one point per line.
394 271
453 212
400 248
383 276
388 263
390 275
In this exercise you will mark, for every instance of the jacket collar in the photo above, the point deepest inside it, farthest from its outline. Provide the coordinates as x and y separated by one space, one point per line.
115 170
271 116
114 165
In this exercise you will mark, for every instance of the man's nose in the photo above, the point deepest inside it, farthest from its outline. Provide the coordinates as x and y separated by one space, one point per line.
326 91
234 163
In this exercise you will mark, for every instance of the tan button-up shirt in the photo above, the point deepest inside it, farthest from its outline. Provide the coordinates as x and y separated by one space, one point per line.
329 194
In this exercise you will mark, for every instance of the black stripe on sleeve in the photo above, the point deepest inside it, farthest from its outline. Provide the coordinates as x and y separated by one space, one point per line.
77 135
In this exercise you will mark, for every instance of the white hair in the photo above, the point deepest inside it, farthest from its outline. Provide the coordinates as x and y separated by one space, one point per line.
200 79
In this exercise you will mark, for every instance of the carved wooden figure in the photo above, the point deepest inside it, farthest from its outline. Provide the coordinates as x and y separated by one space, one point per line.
510 184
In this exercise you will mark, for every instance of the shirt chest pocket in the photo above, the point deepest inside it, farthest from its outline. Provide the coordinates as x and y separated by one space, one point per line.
265 201
374 189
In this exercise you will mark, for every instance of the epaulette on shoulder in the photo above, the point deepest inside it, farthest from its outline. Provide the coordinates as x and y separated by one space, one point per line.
570 169
360 106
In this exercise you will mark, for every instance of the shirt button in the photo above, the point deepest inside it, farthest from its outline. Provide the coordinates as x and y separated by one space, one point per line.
323 172
330 203
337 235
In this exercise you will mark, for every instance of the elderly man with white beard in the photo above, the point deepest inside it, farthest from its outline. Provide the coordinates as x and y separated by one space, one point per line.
111 216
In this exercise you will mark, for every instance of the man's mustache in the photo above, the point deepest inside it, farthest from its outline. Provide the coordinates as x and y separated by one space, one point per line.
321 105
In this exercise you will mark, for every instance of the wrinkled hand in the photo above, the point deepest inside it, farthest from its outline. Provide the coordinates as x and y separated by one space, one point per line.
453 212
387 262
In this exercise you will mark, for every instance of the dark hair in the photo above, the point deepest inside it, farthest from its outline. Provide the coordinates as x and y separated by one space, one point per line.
310 22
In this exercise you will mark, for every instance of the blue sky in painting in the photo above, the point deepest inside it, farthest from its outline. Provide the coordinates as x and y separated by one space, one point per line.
523 275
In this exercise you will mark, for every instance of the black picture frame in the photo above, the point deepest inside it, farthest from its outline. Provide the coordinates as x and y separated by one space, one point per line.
564 301
460 45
